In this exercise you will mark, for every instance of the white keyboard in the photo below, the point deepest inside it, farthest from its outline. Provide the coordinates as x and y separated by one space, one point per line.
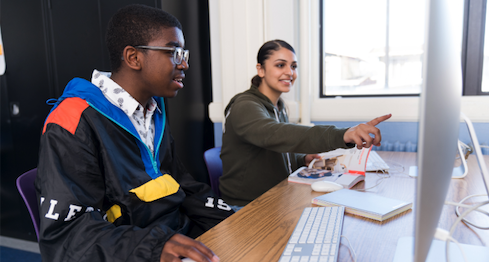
316 236
376 163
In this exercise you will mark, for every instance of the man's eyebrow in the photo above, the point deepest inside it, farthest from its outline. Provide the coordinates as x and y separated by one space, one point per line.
173 43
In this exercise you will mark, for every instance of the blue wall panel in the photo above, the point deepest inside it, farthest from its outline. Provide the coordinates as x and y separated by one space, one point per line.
397 136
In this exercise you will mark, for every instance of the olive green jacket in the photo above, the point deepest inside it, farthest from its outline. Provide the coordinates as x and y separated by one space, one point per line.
255 145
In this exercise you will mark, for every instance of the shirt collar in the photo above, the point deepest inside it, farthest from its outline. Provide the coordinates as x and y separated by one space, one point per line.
117 95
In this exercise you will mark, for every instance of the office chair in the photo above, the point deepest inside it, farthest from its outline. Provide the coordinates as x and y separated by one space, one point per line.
214 167
25 185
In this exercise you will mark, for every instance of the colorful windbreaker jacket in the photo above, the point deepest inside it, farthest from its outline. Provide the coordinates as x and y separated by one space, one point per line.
103 195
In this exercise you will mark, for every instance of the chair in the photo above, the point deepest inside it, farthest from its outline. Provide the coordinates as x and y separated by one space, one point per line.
25 185
214 167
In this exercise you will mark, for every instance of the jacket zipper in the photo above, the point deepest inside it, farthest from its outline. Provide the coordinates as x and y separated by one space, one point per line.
288 156
153 160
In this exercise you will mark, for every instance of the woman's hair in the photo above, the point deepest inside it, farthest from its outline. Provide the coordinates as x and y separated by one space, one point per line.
135 25
265 52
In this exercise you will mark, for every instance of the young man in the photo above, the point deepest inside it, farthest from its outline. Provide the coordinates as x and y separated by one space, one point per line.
110 185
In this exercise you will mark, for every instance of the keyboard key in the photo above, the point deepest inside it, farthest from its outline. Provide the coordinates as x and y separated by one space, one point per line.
288 250
316 250
285 259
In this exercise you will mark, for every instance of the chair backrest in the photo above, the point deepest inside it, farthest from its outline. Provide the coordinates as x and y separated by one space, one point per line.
25 185
214 167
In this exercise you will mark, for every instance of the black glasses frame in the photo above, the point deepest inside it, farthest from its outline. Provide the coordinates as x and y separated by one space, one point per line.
179 54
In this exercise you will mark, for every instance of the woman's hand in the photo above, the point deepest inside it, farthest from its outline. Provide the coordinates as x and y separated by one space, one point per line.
308 158
360 134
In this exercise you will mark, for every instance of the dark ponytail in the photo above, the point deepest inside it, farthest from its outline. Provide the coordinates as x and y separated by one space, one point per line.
256 80
265 52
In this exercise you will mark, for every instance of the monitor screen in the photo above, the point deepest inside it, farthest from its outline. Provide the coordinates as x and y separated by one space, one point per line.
439 125
439 122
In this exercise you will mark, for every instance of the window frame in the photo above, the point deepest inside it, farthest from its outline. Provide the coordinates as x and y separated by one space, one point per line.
472 52
473 46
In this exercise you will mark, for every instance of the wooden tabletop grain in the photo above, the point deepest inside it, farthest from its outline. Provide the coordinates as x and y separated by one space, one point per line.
260 231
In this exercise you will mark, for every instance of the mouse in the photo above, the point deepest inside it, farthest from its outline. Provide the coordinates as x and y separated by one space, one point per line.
326 186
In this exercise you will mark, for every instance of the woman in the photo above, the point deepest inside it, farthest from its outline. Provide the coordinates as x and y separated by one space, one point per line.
260 148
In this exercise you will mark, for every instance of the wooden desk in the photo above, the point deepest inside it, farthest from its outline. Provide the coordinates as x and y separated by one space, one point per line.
260 231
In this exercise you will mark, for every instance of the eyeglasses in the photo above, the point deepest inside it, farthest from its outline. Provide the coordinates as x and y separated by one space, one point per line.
179 54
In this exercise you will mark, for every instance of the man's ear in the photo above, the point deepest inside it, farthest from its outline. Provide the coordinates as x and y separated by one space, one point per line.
260 70
132 58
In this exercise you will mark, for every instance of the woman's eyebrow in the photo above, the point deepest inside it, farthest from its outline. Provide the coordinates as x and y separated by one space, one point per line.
283 60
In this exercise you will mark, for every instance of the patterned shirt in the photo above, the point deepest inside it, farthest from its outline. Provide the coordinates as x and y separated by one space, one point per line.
144 124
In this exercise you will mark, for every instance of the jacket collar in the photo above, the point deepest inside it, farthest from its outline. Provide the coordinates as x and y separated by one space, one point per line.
256 93
84 89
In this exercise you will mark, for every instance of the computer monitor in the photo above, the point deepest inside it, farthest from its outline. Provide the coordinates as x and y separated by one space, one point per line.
439 124
439 120
477 151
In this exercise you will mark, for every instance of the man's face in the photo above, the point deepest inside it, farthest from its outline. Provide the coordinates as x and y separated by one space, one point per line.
161 75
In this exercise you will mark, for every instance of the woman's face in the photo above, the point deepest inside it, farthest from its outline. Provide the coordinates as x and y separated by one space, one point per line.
279 71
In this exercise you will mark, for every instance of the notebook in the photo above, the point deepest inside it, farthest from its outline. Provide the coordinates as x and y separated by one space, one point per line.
364 204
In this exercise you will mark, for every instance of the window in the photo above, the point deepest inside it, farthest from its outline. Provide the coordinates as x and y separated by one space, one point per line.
485 65
375 47
475 73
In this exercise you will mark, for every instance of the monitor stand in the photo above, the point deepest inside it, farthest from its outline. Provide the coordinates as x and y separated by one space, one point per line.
404 251
458 172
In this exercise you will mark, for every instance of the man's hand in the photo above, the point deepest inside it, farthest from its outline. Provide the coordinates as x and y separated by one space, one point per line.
183 246
360 134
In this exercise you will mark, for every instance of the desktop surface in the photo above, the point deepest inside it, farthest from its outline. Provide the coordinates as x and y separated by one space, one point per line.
260 231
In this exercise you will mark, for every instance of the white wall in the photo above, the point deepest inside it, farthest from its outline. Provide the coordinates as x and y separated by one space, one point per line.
238 29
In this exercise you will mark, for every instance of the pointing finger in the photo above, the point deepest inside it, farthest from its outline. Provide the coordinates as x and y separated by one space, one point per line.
379 119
